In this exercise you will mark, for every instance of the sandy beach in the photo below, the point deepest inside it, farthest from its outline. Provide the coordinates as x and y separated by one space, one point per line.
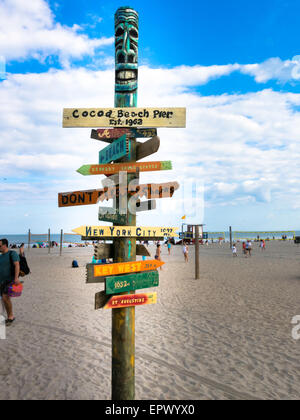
225 336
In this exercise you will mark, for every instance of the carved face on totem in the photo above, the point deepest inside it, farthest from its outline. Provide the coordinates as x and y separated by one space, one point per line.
126 45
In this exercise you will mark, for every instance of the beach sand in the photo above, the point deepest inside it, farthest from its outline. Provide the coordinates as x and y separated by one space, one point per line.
225 336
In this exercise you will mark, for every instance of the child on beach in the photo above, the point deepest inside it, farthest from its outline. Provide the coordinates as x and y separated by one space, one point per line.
169 246
249 247
244 249
185 251
234 250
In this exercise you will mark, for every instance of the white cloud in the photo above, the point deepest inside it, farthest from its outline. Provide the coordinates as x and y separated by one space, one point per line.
274 69
28 30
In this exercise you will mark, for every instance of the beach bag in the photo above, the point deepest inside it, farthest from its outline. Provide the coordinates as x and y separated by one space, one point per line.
74 264
15 290
24 268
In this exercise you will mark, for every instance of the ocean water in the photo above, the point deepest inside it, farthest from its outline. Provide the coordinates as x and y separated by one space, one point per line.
35 239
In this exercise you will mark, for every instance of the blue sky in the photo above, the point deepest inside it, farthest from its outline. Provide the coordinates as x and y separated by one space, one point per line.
234 65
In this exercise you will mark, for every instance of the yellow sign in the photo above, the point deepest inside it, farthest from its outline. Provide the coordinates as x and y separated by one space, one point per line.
101 270
124 117
125 231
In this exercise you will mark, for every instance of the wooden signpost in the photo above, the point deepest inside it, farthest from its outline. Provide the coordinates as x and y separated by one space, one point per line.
119 117
108 135
125 232
126 167
116 150
120 127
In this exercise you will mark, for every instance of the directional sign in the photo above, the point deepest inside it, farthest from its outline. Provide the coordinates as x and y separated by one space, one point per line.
79 198
124 117
142 251
124 301
109 238
148 148
90 278
101 299
125 231
83 198
109 214
106 251
118 284
163 190
116 150
103 251
101 270
108 135
130 167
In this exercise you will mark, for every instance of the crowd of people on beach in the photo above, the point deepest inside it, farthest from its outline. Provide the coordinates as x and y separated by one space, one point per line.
247 247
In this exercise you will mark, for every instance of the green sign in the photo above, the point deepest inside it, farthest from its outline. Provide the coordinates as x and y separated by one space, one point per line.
129 282
116 150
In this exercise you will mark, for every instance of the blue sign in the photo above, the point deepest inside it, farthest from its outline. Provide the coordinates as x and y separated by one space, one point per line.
116 150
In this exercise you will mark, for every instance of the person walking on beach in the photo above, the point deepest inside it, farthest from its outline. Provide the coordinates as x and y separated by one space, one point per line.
249 247
158 252
169 246
185 251
244 249
7 277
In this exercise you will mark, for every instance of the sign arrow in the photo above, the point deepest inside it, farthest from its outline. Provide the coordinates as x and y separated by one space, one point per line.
130 167
125 301
148 148
120 284
104 270
83 198
116 150
125 231
108 135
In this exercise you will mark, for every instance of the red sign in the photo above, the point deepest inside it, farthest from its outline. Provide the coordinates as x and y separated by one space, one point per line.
124 301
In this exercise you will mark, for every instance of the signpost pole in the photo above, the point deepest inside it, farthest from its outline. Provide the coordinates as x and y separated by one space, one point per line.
230 235
61 242
123 319
29 238
49 243
197 263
